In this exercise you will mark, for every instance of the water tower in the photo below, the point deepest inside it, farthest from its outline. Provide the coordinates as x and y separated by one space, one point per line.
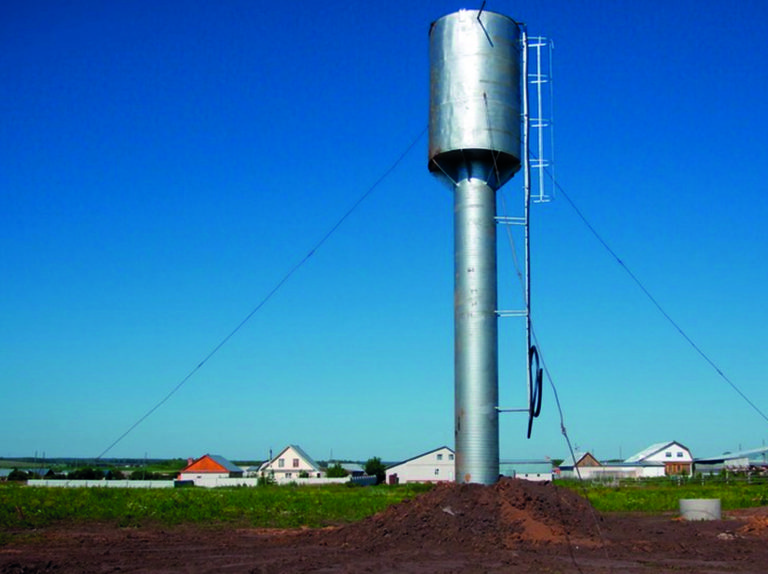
475 146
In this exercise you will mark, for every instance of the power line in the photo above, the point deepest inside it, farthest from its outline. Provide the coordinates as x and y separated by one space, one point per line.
658 306
272 292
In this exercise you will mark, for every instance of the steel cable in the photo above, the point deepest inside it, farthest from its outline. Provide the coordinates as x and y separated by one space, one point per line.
272 292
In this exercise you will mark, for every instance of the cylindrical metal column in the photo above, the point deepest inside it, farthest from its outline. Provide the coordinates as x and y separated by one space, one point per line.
474 145
476 333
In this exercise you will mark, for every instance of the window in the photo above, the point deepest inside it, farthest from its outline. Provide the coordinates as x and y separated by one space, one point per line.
281 463
439 457
668 454
288 475
295 463
679 454
450 457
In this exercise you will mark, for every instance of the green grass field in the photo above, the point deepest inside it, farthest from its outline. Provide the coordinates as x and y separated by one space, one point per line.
23 507
663 495
264 506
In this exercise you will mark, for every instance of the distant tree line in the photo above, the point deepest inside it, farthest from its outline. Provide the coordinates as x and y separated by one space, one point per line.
373 467
91 473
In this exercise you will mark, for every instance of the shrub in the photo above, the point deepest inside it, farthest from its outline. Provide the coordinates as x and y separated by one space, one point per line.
266 480
86 473
336 471
146 475
374 467
18 475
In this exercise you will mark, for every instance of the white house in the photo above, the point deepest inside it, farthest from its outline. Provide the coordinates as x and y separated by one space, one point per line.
660 459
534 470
292 463
663 459
434 466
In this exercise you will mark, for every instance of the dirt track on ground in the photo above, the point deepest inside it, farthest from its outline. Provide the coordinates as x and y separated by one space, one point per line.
513 526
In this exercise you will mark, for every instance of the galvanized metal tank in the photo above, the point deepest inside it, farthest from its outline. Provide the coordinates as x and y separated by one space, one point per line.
474 144
475 97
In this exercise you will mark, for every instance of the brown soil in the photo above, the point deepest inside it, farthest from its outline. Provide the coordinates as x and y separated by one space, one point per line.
513 526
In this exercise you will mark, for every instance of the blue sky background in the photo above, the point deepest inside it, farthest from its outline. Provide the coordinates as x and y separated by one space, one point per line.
165 164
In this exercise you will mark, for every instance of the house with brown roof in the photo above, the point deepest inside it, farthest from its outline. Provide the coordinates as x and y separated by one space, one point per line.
584 465
660 459
670 458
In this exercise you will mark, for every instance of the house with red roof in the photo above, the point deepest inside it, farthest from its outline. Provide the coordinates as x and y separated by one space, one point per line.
210 466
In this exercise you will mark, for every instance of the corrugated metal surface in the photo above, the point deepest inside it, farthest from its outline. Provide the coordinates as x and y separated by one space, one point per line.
476 369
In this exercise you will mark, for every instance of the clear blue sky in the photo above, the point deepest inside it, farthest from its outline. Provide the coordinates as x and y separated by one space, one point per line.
165 164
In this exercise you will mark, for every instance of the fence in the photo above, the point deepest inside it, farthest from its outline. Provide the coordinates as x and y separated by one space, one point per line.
103 483
205 482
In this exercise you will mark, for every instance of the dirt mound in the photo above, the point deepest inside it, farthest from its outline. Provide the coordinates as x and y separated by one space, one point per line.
756 522
509 527
474 517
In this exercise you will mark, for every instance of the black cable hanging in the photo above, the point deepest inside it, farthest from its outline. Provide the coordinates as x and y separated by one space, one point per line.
534 386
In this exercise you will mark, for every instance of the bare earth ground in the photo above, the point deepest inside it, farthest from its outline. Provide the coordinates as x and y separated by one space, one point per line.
513 526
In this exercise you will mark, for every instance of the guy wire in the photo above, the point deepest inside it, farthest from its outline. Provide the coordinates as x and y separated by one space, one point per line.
272 292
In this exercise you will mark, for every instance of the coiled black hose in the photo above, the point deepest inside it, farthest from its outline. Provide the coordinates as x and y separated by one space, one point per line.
534 386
